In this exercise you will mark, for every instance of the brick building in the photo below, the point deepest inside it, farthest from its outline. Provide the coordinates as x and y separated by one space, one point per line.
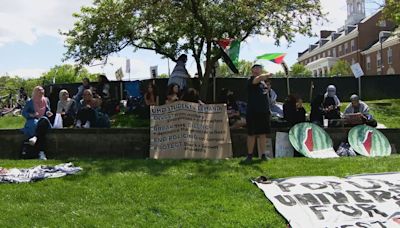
356 42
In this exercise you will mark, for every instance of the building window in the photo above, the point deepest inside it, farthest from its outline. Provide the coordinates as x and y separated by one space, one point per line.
368 63
340 50
329 53
334 52
353 45
353 61
323 54
378 59
390 55
346 48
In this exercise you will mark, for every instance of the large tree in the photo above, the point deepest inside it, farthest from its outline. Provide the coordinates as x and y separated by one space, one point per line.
299 70
341 68
171 27
66 73
391 10
244 68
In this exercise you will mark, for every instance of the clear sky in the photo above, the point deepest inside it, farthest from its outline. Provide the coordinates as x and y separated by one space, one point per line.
30 43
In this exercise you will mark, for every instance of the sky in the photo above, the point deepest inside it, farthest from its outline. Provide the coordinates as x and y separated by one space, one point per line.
30 43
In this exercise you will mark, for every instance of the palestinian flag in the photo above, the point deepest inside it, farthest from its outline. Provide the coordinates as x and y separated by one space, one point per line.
230 49
273 57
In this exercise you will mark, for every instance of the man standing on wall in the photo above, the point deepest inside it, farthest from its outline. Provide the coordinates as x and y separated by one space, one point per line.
258 116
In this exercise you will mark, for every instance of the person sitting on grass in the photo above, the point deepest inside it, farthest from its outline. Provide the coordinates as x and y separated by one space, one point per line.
293 110
67 108
359 107
173 93
331 104
89 114
36 112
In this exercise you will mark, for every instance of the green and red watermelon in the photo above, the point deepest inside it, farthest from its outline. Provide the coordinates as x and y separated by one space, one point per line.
369 142
311 141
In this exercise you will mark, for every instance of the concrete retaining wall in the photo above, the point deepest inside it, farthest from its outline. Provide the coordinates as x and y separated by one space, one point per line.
128 143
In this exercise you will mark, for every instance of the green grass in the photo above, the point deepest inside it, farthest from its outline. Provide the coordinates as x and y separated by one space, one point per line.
128 121
11 122
150 193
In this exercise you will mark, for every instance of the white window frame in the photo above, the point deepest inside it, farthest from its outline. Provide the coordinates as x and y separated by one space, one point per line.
378 59
353 45
390 56
368 62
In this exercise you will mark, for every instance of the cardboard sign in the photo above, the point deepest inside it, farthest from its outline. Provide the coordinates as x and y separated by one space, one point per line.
369 141
357 70
312 141
188 130
283 148
332 202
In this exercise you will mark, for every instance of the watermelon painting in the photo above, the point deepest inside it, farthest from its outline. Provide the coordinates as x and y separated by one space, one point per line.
311 141
369 141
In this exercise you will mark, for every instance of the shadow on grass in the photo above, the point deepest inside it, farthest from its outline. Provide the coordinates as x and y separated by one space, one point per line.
202 168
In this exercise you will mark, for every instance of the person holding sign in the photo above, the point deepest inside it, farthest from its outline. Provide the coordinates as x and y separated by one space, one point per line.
357 112
258 116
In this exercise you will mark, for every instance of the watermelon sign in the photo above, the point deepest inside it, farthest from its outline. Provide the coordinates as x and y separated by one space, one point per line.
369 142
311 141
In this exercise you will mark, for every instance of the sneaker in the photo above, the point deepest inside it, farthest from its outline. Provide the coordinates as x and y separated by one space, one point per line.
264 157
42 156
87 125
32 141
78 124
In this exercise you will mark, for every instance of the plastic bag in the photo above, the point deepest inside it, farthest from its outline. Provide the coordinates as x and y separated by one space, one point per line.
345 150
58 121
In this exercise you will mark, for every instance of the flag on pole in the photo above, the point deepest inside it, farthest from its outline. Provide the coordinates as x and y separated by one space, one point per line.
230 53
273 57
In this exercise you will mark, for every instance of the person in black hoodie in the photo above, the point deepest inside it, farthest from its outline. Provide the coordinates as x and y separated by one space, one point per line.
293 110
317 110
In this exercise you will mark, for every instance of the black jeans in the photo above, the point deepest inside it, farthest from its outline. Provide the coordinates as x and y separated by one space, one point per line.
41 130
87 114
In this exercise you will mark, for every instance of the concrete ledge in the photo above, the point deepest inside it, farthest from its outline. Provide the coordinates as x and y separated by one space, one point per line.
130 143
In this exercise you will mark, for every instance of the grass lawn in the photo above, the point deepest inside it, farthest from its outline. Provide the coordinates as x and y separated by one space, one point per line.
12 122
150 193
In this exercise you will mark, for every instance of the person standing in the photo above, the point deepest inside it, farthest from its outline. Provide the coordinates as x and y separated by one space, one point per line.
180 75
258 117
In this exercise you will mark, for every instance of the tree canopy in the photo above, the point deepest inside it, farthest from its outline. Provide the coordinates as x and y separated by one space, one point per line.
341 68
244 68
299 70
171 27
391 10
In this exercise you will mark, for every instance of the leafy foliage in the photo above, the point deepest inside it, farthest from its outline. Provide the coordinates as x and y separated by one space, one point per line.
391 10
171 27
341 68
67 74
244 68
299 70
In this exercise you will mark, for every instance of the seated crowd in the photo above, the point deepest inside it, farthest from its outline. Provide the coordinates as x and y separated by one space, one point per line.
86 109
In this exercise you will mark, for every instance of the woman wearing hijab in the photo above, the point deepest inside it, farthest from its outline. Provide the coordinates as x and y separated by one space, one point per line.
180 75
331 104
36 112
67 108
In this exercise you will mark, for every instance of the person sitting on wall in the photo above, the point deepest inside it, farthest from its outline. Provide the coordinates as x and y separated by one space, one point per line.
331 104
150 96
293 110
357 112
235 119
276 110
85 85
37 113
173 93
89 114
191 95
67 108
317 110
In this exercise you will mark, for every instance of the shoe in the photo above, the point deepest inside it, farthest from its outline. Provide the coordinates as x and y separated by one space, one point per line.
78 124
87 125
42 156
264 157
248 159
32 141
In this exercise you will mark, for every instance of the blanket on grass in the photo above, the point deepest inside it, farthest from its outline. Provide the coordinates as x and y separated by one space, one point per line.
40 172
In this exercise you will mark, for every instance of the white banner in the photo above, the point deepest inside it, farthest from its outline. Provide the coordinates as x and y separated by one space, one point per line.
332 202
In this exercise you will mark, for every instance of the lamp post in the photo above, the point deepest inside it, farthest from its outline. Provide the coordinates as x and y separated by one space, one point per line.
382 36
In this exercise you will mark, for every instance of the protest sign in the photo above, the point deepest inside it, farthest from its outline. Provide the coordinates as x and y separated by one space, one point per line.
283 148
189 130
369 141
330 202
